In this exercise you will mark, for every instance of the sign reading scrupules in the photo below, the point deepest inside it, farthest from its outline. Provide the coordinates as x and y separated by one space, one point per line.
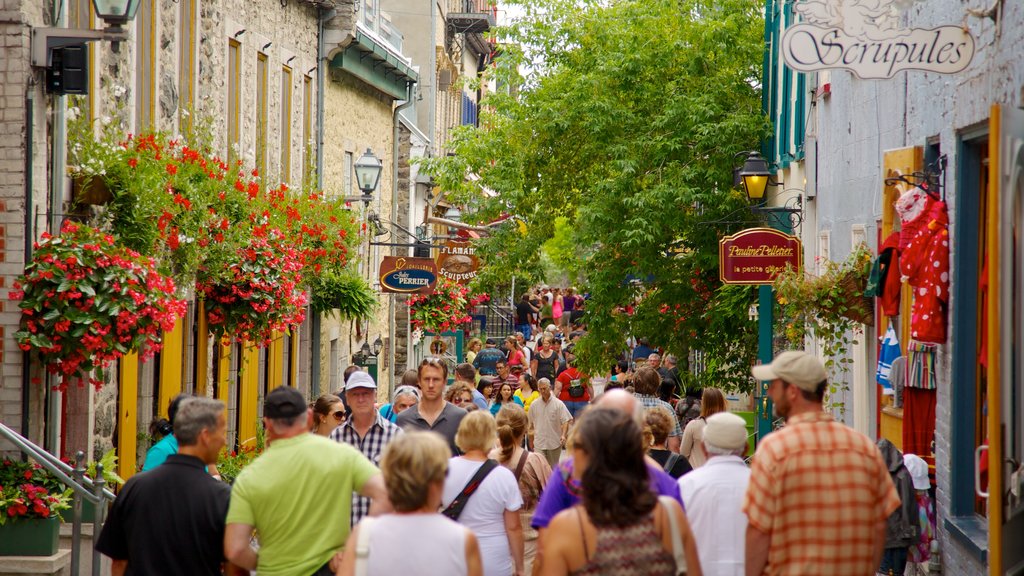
866 37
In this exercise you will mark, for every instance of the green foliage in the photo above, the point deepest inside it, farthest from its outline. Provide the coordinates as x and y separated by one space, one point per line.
342 292
109 462
230 463
618 149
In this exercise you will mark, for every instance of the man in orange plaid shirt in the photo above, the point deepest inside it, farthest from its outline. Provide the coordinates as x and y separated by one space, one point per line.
819 492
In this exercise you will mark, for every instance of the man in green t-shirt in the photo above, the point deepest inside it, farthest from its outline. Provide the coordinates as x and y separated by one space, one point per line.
297 495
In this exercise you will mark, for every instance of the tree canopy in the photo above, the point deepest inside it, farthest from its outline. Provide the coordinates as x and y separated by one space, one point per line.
618 140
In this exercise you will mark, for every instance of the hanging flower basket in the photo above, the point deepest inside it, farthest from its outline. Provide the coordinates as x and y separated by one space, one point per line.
443 310
262 294
86 302
855 305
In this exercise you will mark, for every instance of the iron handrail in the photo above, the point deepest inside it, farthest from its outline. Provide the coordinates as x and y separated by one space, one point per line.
93 490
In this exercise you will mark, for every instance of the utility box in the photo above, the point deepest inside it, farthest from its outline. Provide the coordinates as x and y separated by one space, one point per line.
69 70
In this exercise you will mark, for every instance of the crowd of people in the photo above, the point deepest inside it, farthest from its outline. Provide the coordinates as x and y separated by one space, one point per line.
523 465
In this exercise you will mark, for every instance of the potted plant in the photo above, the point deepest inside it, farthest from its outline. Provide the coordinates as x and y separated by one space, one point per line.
110 477
829 307
31 501
86 302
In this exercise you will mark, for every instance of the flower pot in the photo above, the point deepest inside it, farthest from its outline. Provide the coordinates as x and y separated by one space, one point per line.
88 513
90 190
859 308
30 536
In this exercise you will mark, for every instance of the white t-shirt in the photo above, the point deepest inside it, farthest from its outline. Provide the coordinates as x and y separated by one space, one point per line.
484 513
427 544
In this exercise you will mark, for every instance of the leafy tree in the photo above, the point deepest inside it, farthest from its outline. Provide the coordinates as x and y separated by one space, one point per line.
620 140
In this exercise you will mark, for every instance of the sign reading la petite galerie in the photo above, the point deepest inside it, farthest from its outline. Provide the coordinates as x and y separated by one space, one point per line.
757 256
866 37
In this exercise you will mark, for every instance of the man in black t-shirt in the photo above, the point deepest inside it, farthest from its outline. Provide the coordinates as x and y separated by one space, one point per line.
524 311
170 520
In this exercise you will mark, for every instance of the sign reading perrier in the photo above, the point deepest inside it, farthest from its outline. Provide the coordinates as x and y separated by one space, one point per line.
407 275
757 256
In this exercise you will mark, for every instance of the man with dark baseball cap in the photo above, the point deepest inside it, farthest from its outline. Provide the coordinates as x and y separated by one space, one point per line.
297 495
819 493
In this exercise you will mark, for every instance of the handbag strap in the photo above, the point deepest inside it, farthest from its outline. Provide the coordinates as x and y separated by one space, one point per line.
363 546
670 463
677 542
454 510
521 465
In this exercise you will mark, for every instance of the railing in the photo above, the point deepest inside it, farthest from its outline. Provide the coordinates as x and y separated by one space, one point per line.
472 6
93 490
495 321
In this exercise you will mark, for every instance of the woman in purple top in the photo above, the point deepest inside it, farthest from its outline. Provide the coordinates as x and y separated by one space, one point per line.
563 492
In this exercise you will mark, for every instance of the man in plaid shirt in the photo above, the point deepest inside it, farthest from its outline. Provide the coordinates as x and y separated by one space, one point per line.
366 430
819 492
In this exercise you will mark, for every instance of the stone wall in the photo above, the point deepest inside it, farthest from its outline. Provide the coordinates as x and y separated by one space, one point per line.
18 82
362 119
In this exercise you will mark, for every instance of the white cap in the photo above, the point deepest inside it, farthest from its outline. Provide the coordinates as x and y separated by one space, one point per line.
918 469
360 379
726 430
551 328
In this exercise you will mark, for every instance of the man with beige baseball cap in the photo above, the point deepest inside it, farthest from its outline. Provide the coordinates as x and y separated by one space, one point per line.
713 493
819 493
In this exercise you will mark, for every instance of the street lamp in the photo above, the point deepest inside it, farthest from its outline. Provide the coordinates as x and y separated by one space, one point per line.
367 168
755 177
115 13
455 215
377 346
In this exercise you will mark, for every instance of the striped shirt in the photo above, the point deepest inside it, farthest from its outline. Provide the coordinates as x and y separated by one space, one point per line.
372 446
820 490
655 402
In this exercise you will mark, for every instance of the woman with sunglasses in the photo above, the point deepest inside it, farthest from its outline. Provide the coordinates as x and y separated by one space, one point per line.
505 395
328 414
459 394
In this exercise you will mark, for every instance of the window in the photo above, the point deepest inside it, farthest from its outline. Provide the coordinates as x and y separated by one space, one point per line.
286 124
187 76
969 381
307 127
81 16
346 186
145 66
261 114
234 99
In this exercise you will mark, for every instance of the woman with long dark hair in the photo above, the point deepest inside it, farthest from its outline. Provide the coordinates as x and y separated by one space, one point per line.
328 414
621 527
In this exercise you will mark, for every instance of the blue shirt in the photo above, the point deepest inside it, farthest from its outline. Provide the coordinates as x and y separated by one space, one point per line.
160 451
479 399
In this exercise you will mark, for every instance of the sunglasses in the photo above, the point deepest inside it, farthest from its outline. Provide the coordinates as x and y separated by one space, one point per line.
339 415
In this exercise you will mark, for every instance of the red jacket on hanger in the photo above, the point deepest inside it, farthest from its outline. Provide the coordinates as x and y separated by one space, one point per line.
925 265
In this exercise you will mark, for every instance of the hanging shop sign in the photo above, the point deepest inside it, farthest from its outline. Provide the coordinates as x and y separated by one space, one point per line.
757 256
407 275
457 261
866 37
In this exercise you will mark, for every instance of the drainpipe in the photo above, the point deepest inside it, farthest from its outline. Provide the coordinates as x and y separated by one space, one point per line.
314 319
26 364
432 71
58 168
392 323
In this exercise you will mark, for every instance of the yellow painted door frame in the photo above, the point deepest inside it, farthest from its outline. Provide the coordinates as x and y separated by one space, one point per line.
275 361
994 368
224 372
202 349
170 366
897 162
248 394
128 414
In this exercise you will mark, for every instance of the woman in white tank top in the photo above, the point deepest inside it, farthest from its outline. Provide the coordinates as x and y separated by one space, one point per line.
415 539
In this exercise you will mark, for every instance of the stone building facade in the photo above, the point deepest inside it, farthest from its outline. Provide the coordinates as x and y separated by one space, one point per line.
250 77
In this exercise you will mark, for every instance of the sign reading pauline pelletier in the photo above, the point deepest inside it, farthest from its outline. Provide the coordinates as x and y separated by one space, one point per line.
866 37
407 275
757 256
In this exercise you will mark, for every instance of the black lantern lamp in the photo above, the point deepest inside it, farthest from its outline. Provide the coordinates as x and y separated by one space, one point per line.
116 13
755 177
377 346
368 168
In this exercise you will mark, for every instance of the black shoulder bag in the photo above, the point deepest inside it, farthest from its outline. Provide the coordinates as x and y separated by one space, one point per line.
454 510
